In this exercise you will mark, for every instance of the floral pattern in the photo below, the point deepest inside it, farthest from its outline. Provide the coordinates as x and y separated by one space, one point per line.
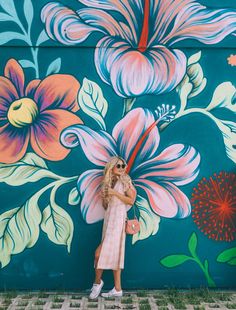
35 114
175 144
214 205
135 138
136 53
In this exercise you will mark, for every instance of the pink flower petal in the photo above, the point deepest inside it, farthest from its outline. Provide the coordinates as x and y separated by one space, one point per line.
8 94
130 129
116 5
98 146
132 73
104 56
45 133
169 67
131 11
65 25
89 184
58 91
15 73
184 19
13 143
31 88
102 20
165 198
178 163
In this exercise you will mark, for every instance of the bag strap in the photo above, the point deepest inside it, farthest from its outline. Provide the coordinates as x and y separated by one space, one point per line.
134 213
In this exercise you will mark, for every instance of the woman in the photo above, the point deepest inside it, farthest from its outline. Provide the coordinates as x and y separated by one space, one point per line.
118 194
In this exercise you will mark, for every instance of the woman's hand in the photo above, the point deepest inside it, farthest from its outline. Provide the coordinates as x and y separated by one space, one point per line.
129 198
111 192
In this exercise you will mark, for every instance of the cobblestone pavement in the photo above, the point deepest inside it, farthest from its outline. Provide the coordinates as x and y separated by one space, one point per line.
197 299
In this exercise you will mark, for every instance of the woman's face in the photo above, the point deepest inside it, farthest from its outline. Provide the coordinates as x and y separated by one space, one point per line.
119 168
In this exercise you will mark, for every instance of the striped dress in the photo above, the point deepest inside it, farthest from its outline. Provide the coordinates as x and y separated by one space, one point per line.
113 233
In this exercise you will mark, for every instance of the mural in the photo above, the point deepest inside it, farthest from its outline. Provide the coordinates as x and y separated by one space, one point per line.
213 206
147 91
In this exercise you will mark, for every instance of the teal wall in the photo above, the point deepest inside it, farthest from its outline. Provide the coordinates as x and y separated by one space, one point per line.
92 74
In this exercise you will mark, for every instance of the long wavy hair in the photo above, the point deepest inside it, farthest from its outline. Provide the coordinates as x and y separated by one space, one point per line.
109 179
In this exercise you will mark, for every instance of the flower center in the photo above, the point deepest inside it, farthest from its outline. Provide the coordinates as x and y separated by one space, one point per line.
142 46
22 112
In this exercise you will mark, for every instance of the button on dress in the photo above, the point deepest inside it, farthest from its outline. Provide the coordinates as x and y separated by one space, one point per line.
113 233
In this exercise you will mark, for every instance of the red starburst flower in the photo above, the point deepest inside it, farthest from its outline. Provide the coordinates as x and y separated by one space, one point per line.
214 206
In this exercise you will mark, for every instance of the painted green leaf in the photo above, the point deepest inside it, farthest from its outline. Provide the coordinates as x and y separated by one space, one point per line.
43 37
174 260
193 82
149 221
5 17
92 102
54 67
19 229
58 225
193 59
30 168
227 256
192 244
8 6
197 79
74 197
228 130
224 97
7 36
232 262
26 63
29 12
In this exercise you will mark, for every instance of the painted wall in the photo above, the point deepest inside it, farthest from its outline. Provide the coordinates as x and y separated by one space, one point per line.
152 81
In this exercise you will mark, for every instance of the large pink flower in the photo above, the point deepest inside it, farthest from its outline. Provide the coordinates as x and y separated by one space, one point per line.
136 138
134 54
35 114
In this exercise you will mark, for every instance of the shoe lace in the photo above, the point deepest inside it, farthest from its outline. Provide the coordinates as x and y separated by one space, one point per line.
95 285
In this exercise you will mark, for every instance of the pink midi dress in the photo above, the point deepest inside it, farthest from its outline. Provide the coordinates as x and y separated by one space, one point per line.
113 233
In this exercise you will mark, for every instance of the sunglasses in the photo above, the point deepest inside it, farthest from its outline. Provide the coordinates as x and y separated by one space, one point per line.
120 166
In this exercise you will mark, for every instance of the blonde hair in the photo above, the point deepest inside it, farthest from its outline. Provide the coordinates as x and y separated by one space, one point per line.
109 177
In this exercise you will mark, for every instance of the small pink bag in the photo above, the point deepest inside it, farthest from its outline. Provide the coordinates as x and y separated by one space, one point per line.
132 226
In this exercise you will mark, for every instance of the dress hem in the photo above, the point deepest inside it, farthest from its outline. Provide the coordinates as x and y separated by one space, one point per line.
108 268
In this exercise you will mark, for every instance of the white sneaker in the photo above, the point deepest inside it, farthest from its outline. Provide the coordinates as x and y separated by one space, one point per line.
113 293
95 290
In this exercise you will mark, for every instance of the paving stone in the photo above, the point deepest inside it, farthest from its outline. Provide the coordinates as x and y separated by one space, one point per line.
135 300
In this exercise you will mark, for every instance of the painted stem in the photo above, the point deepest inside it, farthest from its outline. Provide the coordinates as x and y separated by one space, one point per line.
35 60
140 142
205 270
34 51
186 112
56 183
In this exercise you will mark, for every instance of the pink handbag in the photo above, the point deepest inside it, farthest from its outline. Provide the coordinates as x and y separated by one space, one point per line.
132 226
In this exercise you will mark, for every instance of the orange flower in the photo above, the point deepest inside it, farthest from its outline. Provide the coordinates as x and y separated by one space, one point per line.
232 60
35 114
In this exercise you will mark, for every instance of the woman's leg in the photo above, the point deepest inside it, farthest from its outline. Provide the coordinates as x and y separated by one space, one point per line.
117 280
98 272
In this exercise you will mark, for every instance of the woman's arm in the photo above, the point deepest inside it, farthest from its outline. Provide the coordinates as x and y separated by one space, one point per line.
129 199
